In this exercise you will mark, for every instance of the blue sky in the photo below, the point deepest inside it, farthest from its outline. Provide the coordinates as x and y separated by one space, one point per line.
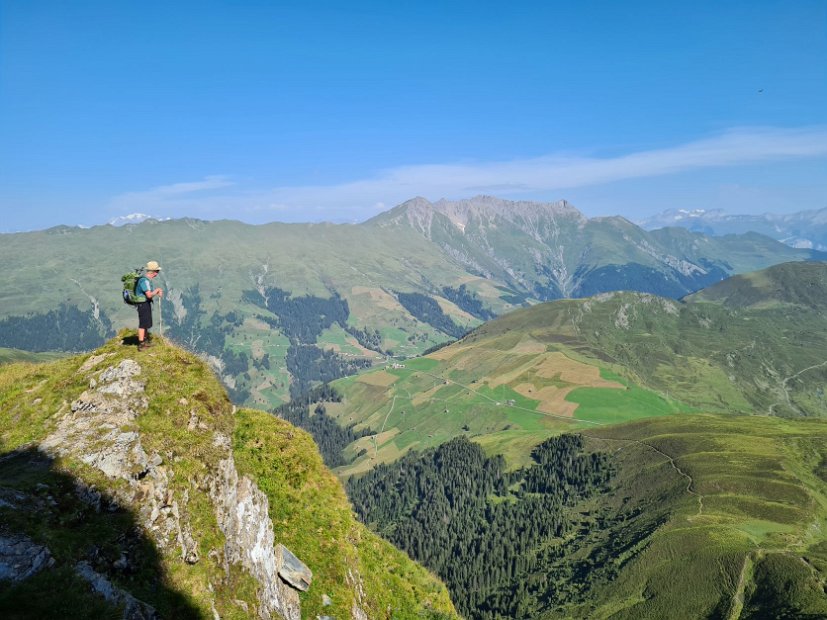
307 111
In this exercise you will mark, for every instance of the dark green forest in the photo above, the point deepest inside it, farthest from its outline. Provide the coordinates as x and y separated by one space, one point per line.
427 310
368 338
309 365
329 436
301 318
495 538
66 328
468 301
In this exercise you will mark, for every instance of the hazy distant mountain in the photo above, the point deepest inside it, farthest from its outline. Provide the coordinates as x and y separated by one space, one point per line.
551 250
804 229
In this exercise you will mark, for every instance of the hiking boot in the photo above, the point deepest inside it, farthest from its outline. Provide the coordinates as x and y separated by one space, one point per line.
143 345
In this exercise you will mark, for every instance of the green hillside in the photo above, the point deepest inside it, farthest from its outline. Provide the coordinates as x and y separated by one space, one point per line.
130 481
576 364
11 356
280 307
709 413
742 503
700 516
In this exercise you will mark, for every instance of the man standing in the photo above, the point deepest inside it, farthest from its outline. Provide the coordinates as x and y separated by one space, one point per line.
144 289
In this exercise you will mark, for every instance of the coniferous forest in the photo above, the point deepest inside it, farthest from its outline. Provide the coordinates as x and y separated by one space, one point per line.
468 301
491 535
427 310
66 328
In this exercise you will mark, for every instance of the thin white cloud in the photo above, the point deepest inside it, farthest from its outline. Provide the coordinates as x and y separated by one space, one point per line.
359 198
169 193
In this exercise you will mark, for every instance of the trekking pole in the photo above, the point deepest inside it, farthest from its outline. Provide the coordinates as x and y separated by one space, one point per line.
161 316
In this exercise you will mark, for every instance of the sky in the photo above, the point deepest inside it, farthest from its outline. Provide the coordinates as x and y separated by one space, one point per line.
308 111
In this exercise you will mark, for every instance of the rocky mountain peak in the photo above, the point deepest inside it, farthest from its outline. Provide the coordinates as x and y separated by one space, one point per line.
419 213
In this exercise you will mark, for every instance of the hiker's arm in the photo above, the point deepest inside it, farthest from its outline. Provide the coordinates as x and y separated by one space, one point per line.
150 294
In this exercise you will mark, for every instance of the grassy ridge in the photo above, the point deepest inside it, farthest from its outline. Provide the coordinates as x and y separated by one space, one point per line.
745 503
716 511
307 504
713 354
286 465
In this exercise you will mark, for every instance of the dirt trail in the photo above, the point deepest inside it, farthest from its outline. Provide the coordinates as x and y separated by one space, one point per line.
382 430
786 389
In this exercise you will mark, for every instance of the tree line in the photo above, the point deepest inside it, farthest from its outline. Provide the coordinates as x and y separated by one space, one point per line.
468 301
427 310
66 328
301 318
331 438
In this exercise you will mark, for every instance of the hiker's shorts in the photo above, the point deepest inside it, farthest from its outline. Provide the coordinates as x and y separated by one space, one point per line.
144 315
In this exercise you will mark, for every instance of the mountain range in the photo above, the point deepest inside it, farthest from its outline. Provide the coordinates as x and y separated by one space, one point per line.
281 307
803 229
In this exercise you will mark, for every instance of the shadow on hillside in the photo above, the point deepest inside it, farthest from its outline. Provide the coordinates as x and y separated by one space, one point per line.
130 340
84 531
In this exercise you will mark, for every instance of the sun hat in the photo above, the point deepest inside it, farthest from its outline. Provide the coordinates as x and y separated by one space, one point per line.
152 266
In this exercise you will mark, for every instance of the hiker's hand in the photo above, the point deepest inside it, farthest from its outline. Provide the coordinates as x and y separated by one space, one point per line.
159 292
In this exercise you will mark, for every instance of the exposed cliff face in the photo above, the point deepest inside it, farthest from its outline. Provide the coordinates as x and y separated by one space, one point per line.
244 518
123 487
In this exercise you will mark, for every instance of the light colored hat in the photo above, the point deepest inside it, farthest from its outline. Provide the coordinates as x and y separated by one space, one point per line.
152 266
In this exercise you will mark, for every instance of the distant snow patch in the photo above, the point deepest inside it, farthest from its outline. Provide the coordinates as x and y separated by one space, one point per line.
134 218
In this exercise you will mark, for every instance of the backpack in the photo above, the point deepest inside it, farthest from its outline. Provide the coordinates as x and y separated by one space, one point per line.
130 283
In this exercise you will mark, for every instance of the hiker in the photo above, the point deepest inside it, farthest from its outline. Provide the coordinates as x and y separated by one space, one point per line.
144 287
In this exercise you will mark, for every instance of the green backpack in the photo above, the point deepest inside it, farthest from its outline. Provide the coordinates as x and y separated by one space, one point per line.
130 283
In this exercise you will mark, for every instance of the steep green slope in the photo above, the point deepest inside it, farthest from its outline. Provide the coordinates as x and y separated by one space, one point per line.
744 532
706 515
751 344
763 353
696 516
509 391
130 481
283 306
795 284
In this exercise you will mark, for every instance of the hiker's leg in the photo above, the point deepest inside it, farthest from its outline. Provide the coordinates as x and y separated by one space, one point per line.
144 321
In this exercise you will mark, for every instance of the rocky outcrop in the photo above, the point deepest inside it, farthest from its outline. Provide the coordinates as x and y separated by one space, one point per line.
20 558
99 429
133 609
130 485
242 511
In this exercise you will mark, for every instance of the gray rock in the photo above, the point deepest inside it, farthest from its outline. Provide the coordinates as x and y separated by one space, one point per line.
326 601
293 570
242 512
133 609
357 613
125 370
21 557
